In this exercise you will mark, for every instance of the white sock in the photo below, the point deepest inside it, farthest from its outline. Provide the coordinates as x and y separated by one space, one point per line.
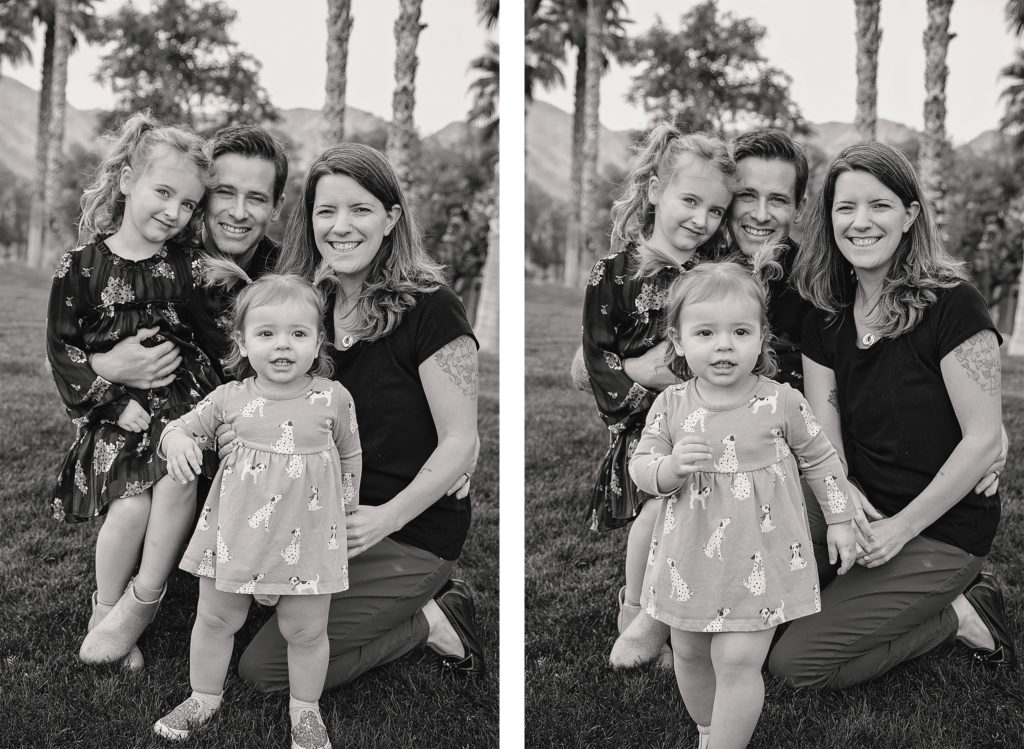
296 706
210 702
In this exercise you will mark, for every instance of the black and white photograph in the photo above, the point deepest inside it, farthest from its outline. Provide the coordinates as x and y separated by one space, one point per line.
773 402
249 310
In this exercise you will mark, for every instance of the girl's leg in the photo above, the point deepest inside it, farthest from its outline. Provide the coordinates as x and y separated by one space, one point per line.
873 619
695 673
739 688
638 546
170 520
117 545
303 624
219 616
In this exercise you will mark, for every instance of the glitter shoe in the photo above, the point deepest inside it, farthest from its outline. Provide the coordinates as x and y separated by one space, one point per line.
183 720
309 732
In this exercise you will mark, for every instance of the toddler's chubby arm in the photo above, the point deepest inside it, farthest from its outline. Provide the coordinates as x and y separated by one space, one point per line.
660 463
184 456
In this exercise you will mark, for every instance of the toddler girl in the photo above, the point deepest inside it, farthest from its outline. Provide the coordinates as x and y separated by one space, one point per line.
730 557
141 219
273 525
669 216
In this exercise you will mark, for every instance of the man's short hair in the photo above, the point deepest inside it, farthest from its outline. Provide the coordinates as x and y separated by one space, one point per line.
770 143
254 141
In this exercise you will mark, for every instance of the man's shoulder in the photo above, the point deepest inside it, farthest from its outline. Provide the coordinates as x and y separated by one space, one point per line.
266 257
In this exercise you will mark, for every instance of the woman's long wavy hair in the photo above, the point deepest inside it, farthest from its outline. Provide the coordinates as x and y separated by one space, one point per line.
919 267
135 145
271 288
718 280
659 155
400 270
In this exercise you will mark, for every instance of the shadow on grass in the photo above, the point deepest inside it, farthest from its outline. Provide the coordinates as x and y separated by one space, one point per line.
49 699
573 699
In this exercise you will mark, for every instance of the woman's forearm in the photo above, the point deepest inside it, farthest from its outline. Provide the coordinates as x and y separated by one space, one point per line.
957 477
452 457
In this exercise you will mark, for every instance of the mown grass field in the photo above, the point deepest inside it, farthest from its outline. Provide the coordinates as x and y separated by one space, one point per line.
49 699
944 700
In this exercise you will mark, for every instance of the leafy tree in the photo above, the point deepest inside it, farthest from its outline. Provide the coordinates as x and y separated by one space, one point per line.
484 89
179 61
544 48
1012 122
710 75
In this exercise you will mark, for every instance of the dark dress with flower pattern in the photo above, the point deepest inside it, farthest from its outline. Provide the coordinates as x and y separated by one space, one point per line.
623 317
97 299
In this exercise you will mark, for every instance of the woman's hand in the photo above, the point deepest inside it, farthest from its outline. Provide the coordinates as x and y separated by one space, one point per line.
989 483
891 534
861 522
184 456
134 418
365 525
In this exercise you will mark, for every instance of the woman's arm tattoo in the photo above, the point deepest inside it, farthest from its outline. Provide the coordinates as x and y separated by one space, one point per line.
833 399
979 357
458 360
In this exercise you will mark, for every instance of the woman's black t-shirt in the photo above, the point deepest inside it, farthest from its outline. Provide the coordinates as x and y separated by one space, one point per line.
396 428
898 422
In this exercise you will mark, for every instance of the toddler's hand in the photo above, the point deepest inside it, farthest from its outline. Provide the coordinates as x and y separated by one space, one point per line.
688 454
184 458
842 545
134 418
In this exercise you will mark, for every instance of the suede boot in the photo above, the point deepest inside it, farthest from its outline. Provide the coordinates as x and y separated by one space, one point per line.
134 660
641 640
112 638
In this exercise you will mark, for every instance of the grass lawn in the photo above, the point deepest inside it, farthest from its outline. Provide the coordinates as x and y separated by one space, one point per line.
49 699
573 699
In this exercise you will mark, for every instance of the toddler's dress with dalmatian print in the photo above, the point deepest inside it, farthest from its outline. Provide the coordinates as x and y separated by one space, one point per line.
731 548
97 299
274 520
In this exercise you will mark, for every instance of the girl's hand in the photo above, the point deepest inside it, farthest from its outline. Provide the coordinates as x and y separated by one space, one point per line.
842 545
225 441
134 418
688 454
989 483
365 525
891 534
184 457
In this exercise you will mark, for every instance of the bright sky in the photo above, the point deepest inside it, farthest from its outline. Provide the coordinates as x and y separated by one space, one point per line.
813 41
290 40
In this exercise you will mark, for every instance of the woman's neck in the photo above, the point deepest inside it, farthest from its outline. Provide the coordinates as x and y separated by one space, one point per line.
868 292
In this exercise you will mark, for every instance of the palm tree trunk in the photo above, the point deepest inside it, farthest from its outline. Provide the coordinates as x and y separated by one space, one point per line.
55 127
486 324
402 134
869 36
36 219
571 259
934 147
339 27
591 126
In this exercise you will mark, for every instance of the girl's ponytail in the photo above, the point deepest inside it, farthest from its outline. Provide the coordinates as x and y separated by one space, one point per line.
220 271
632 213
102 202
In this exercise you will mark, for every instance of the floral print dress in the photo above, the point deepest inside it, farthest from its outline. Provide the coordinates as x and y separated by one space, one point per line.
623 317
97 299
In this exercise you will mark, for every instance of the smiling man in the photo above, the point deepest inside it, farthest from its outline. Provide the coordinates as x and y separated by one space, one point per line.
772 171
252 170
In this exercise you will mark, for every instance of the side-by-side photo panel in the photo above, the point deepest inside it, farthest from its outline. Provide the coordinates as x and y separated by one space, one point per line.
773 326
250 486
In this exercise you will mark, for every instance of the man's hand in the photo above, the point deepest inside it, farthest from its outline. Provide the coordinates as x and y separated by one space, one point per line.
134 418
134 365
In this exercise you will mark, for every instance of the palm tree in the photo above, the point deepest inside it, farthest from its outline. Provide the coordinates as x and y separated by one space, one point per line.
543 50
1011 123
485 112
15 29
869 36
934 146
1015 16
82 22
339 27
402 133
55 127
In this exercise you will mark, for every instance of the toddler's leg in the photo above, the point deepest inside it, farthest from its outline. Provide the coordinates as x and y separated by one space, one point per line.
170 520
219 616
739 693
303 624
695 674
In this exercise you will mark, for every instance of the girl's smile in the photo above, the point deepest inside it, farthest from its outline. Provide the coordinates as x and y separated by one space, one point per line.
689 208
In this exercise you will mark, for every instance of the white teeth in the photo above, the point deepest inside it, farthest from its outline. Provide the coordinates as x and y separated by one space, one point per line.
234 229
863 241
757 232
342 246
